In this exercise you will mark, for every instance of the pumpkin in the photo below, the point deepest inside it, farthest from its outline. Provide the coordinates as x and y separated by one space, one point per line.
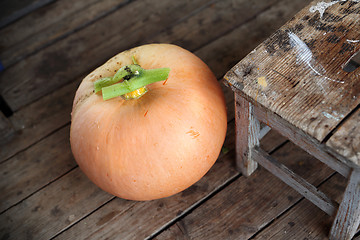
155 145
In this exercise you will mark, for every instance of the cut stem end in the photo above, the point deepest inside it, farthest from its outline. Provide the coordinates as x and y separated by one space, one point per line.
135 79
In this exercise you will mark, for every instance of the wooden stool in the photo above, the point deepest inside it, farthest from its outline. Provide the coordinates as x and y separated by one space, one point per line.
302 83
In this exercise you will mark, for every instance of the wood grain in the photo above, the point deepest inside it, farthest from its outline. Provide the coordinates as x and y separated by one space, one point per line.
212 22
6 129
35 167
293 180
301 63
91 46
247 130
39 120
237 43
347 219
346 140
48 24
12 10
249 204
304 141
53 208
305 220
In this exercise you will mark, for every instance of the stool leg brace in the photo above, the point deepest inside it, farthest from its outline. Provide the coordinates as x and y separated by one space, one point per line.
249 154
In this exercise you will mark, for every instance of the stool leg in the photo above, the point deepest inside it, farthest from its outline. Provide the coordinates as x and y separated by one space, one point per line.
247 135
347 219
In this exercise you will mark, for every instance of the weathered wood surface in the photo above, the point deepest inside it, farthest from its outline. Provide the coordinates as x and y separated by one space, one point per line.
302 140
11 10
285 76
297 72
293 180
52 113
57 20
347 219
44 194
6 129
247 131
299 224
35 167
246 205
346 140
52 209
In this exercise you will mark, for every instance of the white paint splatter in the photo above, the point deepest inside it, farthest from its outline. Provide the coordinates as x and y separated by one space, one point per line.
305 55
334 116
352 41
322 6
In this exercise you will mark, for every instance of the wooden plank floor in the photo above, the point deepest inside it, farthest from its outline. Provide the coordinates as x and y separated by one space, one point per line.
47 47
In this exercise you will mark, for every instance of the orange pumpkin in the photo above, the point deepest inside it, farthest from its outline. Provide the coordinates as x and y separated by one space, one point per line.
159 144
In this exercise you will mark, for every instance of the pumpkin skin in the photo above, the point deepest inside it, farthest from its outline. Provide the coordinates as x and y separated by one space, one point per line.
159 144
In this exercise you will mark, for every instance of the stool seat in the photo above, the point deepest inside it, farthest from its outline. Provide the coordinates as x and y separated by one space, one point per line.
304 82
297 73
